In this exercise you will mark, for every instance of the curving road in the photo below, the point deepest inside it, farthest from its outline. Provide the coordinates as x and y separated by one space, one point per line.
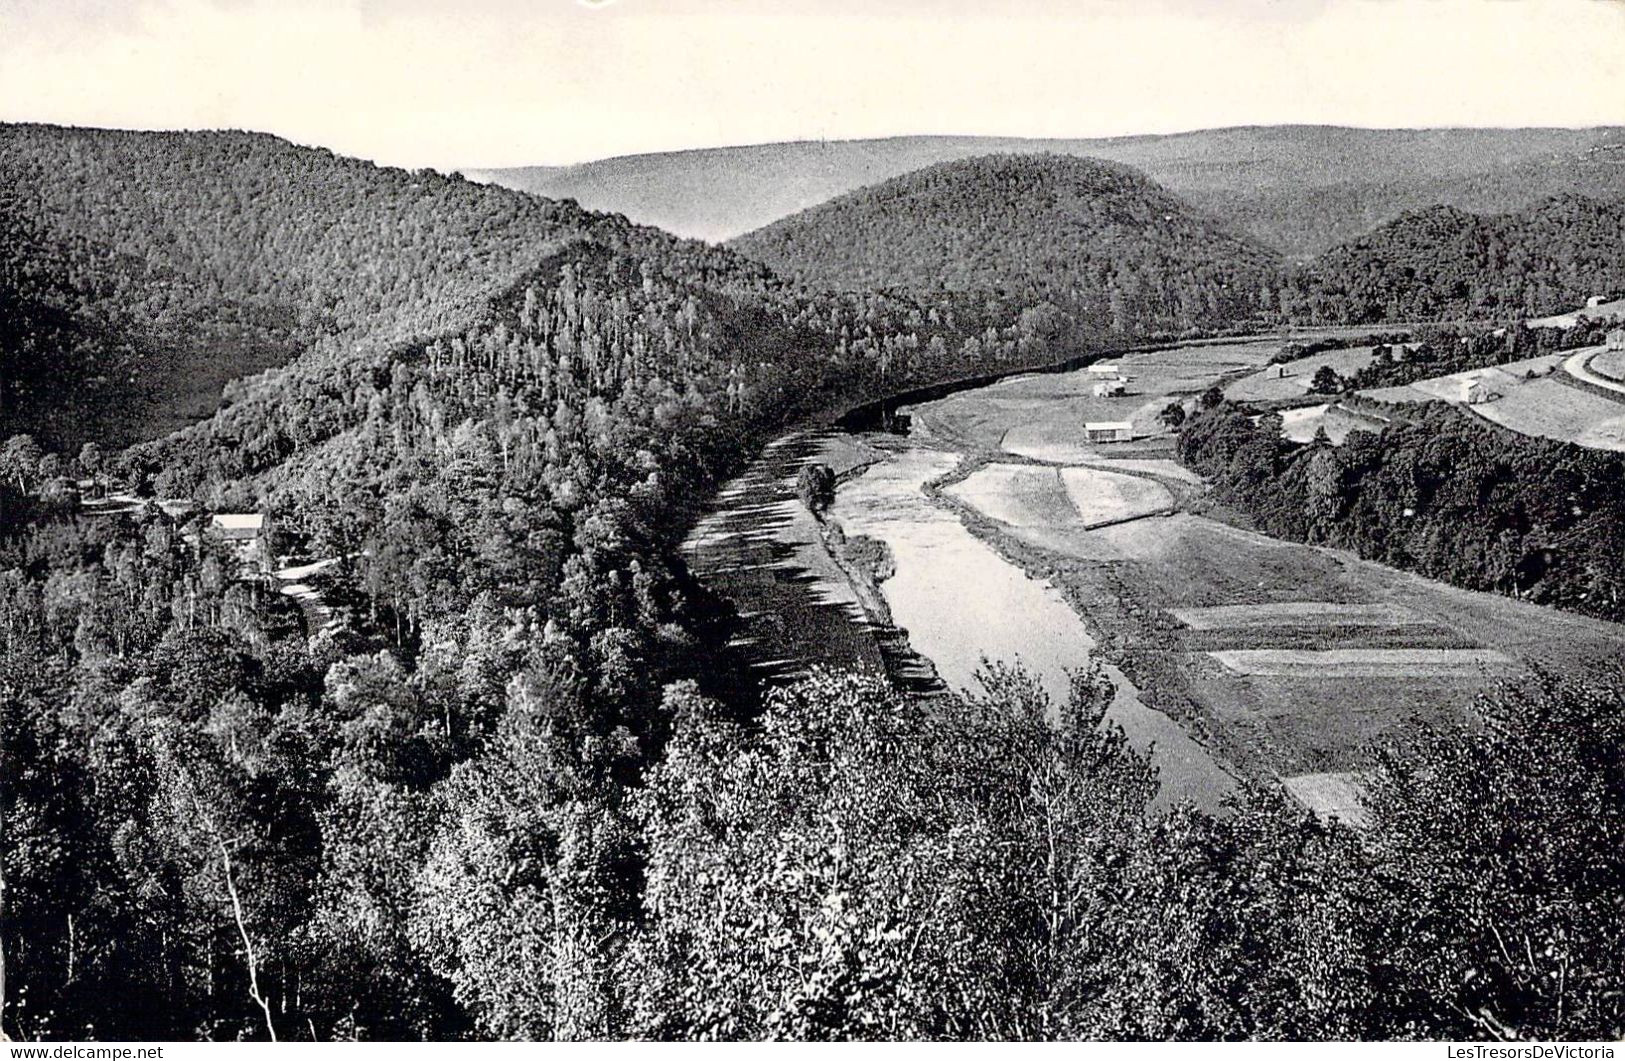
1578 365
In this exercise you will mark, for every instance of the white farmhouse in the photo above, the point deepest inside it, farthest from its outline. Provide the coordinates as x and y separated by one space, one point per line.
1109 431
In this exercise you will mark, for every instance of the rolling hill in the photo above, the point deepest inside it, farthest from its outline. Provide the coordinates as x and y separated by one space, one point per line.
1446 263
143 271
1301 189
1095 240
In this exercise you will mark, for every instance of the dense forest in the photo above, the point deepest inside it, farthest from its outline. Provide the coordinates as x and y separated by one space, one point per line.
1446 264
1078 239
155 267
1440 492
512 785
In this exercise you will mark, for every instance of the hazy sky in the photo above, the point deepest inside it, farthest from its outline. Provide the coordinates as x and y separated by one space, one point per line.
505 82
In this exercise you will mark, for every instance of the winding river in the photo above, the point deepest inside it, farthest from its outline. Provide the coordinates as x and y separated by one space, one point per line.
961 602
958 600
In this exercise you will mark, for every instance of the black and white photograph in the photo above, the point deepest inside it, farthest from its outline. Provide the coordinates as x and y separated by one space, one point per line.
652 521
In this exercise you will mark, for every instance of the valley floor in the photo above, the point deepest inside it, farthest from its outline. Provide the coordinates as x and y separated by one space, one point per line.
1234 654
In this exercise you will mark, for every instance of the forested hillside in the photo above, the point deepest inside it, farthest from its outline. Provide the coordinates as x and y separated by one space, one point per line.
1072 239
142 271
1444 263
1299 189
1439 492
495 456
503 779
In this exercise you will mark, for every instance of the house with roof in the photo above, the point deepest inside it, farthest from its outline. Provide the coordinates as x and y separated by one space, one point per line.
1616 339
243 534
1109 431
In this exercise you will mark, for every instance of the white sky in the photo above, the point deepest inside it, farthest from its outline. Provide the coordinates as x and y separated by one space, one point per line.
509 82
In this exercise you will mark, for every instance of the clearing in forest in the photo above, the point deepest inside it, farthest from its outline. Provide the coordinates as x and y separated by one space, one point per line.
1292 379
1022 495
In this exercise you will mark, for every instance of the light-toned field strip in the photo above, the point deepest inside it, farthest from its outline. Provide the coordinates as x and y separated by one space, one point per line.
1362 662
1332 795
1167 469
1267 385
1550 409
1022 495
1295 613
1036 496
1111 497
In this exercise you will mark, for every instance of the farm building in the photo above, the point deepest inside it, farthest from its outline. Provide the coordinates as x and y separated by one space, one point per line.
1109 431
1106 368
900 420
1597 300
243 533
1110 388
1616 339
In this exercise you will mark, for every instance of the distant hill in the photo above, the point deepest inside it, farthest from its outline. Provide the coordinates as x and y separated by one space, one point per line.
1097 241
140 272
1301 189
1447 263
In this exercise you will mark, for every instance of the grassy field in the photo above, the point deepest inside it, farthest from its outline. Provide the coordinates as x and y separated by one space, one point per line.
1331 795
1335 653
1102 497
1294 613
1362 662
1610 363
1022 495
1448 388
1287 661
1553 409
1041 415
1305 422
1535 399
1054 507
1266 386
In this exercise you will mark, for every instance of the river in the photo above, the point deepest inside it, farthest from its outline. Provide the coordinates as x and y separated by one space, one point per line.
961 602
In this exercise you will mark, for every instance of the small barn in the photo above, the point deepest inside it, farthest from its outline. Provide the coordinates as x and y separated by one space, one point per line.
1598 300
241 532
1110 388
1616 339
1477 391
1109 431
